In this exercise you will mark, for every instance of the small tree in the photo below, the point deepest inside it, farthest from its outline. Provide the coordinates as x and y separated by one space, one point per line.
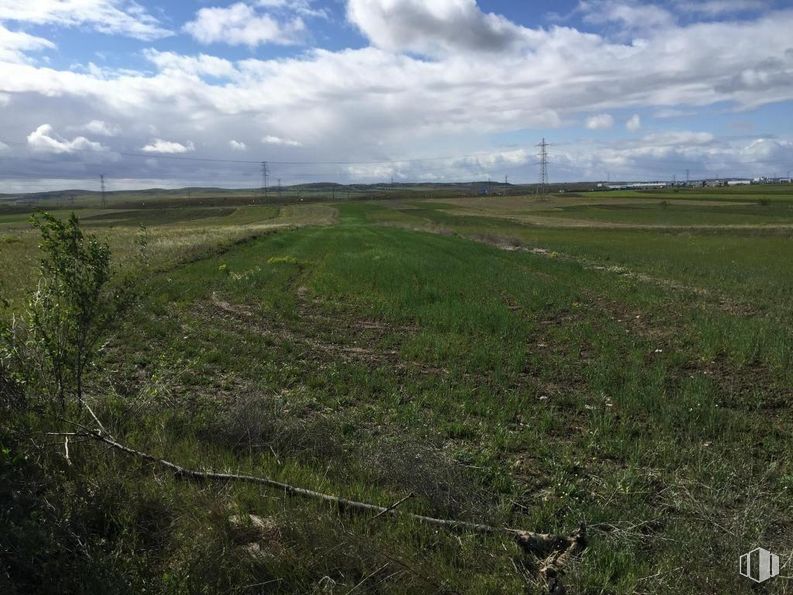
70 308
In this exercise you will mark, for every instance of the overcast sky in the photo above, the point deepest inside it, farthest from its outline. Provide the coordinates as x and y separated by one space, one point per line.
367 90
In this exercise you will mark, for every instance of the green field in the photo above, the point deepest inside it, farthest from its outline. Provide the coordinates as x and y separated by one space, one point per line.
621 361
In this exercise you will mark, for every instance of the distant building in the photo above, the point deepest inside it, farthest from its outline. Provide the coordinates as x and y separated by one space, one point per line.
637 186
738 182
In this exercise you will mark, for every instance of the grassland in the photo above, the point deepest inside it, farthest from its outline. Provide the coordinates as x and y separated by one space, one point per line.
168 236
603 359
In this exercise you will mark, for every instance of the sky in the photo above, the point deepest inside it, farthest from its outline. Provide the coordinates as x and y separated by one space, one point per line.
200 92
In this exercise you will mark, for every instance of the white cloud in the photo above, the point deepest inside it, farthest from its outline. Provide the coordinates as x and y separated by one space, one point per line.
374 104
236 145
662 156
301 7
671 112
100 128
45 140
665 139
167 146
433 27
277 140
239 24
600 122
634 123
13 44
202 64
122 17
630 14
720 7
769 149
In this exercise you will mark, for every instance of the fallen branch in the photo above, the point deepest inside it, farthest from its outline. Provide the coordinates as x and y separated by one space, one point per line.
66 449
539 544
96 419
392 507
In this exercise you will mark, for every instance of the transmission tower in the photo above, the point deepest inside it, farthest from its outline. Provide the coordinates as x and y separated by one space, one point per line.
688 176
265 175
543 157
102 184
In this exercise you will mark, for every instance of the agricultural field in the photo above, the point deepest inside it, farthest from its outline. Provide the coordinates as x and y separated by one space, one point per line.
161 237
610 363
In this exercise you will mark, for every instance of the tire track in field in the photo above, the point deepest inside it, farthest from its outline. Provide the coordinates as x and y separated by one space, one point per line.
244 316
723 302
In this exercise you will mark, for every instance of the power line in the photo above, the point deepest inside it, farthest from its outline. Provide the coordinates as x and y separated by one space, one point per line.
314 162
303 162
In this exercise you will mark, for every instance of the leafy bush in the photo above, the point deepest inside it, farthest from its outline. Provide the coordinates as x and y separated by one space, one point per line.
52 343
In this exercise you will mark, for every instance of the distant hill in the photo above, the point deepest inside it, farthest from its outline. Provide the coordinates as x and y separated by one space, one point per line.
316 191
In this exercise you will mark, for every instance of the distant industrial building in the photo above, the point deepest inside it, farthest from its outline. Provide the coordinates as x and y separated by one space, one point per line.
635 186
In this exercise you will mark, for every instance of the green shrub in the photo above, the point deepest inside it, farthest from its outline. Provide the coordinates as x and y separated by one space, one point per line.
51 345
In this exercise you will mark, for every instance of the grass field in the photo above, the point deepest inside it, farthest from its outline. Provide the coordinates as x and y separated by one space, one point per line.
619 360
170 235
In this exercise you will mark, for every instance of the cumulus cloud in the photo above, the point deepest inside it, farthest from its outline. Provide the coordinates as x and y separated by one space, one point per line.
600 122
433 27
634 123
45 140
769 150
166 146
376 103
277 140
240 24
236 145
122 17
